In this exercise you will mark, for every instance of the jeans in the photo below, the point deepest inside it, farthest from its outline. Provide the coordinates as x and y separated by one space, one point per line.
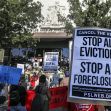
19 107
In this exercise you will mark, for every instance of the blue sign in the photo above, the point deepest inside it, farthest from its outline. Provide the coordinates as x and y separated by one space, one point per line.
10 75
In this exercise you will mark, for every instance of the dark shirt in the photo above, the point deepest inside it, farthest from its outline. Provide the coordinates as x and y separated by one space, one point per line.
22 93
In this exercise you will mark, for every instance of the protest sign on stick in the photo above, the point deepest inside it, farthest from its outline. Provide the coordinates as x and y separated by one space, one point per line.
51 62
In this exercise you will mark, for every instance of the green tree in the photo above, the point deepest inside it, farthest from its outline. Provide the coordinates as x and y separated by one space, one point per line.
18 19
90 13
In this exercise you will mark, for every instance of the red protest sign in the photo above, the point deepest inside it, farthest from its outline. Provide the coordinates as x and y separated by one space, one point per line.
85 107
82 107
58 97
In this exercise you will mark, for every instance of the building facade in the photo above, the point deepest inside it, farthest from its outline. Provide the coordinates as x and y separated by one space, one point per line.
51 36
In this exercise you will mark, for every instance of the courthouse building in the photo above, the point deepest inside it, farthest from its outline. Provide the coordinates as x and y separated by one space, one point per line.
51 35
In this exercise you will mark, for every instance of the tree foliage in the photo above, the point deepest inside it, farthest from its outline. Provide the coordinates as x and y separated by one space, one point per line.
90 13
18 18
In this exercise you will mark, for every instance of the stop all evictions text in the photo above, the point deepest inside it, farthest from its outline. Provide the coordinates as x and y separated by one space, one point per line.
91 65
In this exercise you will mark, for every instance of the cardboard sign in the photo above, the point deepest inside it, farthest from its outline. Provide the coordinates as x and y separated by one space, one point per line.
91 66
10 75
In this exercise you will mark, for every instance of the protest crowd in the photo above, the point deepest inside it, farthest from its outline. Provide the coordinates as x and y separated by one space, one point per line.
55 55
34 82
30 86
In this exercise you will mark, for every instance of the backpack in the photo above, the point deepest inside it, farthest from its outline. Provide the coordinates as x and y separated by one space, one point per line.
37 102
14 98
38 95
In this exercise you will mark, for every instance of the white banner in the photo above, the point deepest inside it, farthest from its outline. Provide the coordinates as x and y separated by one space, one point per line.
51 61
91 65
21 66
